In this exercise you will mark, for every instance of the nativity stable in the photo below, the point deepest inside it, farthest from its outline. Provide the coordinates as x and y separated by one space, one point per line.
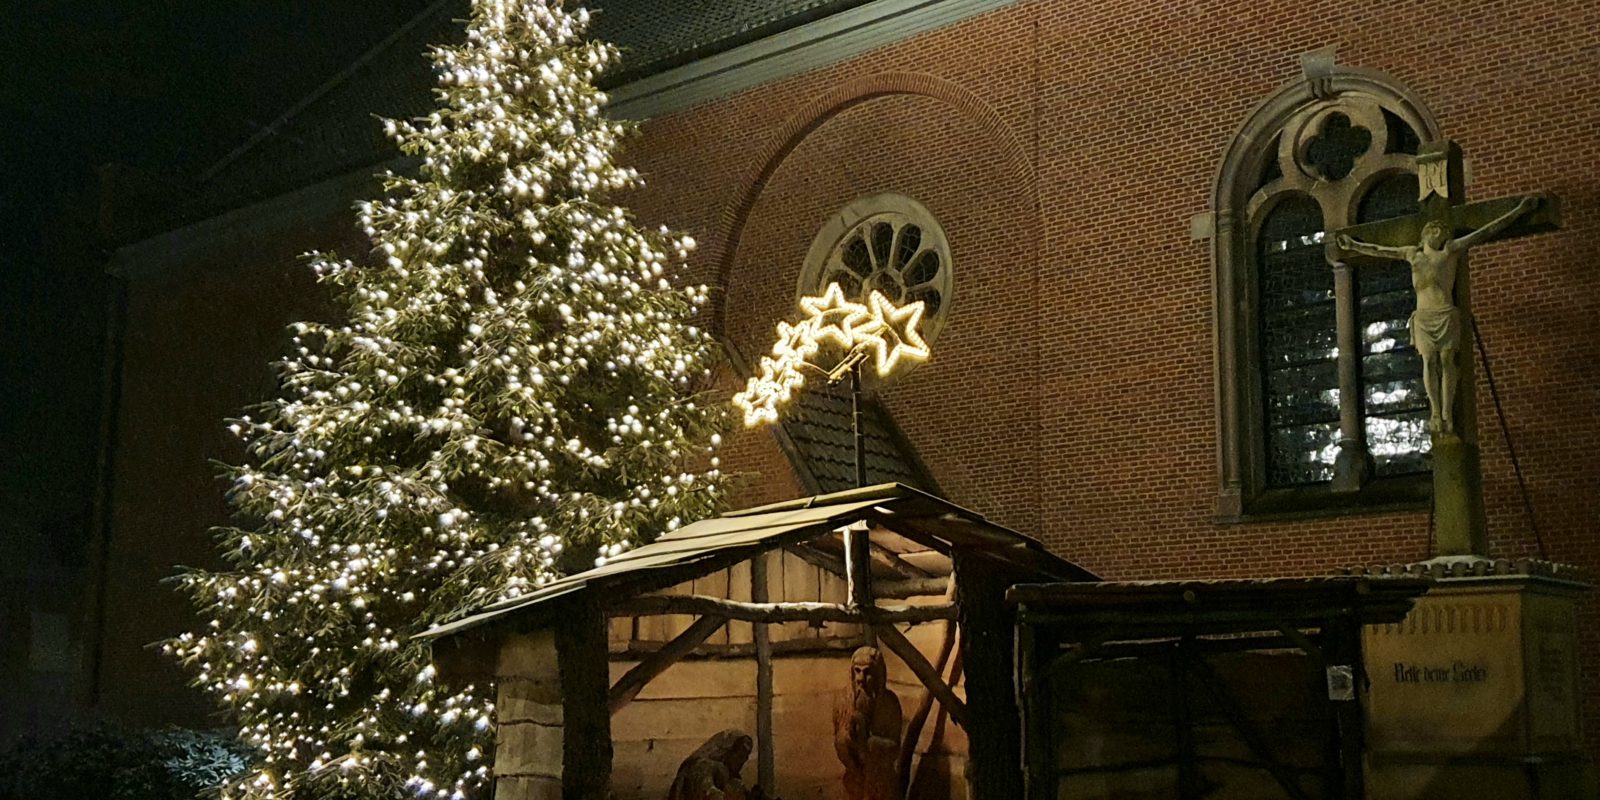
855 644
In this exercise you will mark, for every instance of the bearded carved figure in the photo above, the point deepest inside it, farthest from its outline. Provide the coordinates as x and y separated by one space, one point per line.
866 730
712 771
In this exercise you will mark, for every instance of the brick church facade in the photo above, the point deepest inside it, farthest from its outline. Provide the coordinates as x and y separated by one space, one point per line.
1098 379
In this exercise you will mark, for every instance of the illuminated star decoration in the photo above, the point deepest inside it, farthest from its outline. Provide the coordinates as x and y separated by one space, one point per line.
895 335
833 317
879 327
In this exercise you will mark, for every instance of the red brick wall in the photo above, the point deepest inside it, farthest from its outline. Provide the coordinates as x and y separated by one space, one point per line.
1064 146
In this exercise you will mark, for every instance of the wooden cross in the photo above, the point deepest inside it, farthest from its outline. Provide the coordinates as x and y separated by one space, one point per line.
1457 482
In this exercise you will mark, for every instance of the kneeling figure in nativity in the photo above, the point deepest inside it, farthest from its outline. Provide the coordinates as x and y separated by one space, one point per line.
712 771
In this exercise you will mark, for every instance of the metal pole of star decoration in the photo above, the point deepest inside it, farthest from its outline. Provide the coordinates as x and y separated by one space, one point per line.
878 330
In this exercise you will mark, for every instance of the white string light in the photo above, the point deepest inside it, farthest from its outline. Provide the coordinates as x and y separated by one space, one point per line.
880 328
514 372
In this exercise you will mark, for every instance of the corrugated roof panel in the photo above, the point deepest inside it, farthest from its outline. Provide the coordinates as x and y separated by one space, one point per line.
693 542
708 539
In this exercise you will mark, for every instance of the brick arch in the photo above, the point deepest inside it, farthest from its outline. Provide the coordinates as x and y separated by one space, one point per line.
823 108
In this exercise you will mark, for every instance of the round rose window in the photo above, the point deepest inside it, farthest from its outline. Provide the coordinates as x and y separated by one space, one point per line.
887 242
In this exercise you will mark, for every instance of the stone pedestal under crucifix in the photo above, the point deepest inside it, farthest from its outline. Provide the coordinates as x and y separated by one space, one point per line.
1435 243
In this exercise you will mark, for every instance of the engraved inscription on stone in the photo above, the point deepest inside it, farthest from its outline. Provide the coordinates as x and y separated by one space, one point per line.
1456 672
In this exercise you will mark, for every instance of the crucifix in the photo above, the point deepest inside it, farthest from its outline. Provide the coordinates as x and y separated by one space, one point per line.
1435 243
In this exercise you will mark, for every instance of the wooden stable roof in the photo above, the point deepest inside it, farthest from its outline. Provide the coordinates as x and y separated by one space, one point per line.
913 535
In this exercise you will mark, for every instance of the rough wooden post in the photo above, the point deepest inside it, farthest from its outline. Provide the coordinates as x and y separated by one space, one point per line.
585 685
766 764
1035 652
994 729
1342 646
858 572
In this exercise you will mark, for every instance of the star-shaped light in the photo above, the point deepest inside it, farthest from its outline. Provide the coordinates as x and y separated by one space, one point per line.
894 333
833 317
759 401
784 373
796 342
889 332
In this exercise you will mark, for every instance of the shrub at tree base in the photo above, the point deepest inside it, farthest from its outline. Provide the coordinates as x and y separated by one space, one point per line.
113 764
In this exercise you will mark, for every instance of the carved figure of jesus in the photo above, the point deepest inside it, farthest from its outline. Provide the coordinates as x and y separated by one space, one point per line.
866 730
1436 325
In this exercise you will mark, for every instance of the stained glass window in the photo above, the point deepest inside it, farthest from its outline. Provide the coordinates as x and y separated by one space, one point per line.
1350 162
1299 350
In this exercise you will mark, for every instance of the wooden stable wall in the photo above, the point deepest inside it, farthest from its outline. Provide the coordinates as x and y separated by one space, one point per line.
692 700
702 695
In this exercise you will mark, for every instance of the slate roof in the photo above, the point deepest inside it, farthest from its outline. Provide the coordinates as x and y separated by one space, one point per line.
334 130
817 429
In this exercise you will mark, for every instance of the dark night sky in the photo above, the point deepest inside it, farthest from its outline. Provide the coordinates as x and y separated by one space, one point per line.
163 86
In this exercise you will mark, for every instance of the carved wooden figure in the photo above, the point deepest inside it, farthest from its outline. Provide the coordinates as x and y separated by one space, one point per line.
712 771
866 730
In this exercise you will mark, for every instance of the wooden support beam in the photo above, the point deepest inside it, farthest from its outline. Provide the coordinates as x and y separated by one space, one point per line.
1053 665
821 559
1304 642
919 717
858 570
892 638
821 552
766 760
1341 641
891 561
988 642
1099 647
1191 785
1252 736
1035 650
586 727
627 687
698 605
915 587
883 590
638 651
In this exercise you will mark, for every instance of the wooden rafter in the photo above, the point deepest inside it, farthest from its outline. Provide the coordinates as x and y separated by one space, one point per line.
776 612
821 559
892 638
891 560
830 550
628 686
883 590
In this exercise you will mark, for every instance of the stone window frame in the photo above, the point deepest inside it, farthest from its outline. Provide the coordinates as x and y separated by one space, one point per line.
824 255
1243 492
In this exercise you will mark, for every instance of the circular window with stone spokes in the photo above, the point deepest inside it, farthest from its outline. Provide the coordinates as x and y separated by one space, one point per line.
887 242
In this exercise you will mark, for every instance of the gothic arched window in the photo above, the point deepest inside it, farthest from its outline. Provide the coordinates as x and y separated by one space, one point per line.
1320 390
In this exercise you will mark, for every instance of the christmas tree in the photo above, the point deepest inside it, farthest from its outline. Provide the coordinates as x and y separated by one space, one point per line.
512 393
